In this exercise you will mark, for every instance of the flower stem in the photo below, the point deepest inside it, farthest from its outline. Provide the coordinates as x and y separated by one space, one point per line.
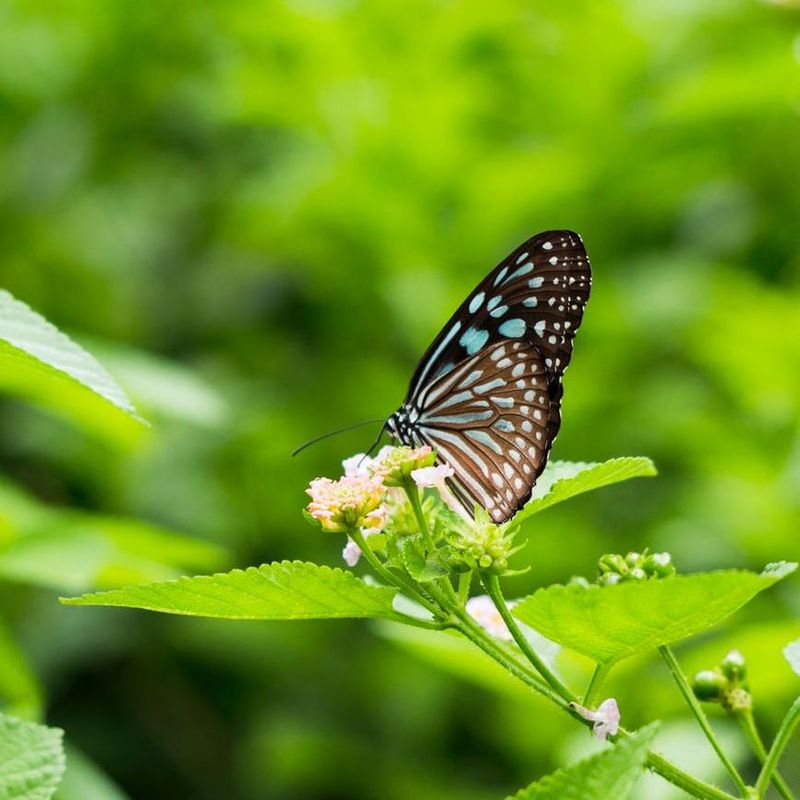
413 497
702 720
478 636
598 676
492 585
748 725
401 581
778 746
464 585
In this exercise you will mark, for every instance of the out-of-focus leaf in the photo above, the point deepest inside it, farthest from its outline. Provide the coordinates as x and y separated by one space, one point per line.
792 654
610 773
20 692
161 387
83 780
564 479
283 590
74 551
44 366
609 623
31 759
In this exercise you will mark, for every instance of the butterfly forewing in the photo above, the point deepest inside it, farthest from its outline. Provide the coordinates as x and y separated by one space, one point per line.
537 293
487 393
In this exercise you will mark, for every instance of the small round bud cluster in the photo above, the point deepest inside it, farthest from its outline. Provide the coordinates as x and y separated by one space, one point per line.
725 684
615 568
395 464
481 545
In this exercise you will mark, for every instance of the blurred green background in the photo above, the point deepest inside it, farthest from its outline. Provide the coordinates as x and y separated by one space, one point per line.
257 215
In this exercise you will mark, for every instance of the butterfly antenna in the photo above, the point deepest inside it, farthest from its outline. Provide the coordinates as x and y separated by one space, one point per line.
375 443
340 430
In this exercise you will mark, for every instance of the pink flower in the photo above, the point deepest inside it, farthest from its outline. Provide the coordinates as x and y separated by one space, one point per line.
483 611
395 464
357 466
351 502
435 478
351 553
605 719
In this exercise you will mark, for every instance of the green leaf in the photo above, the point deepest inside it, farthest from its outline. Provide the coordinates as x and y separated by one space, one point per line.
84 780
792 654
283 590
564 479
20 691
419 568
74 551
31 759
45 367
611 773
609 623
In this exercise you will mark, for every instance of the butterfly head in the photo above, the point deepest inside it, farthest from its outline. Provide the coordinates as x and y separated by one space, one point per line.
401 424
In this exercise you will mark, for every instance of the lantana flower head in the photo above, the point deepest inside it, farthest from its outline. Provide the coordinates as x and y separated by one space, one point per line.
605 719
395 464
350 503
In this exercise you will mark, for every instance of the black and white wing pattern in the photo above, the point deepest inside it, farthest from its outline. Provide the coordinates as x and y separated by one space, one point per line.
487 393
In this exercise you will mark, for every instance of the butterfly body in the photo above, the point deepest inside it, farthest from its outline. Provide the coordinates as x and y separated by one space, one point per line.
487 393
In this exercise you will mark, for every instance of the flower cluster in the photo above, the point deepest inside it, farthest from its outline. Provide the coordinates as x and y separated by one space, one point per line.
615 568
352 502
726 684
480 544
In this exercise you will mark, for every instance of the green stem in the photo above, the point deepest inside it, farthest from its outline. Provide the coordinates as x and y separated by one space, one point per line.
464 585
592 690
492 585
748 725
478 636
401 581
689 784
413 497
778 746
702 720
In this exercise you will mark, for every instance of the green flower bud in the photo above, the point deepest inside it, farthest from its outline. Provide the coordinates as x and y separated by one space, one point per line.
612 563
659 565
737 700
638 574
709 685
633 558
734 666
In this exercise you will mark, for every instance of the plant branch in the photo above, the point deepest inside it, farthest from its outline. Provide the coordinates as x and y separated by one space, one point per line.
598 676
702 720
748 725
778 746
492 586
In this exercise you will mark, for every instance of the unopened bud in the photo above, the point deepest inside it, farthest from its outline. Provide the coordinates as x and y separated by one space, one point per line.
734 666
709 685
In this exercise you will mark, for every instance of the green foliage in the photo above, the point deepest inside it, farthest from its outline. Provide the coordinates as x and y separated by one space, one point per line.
562 480
69 550
31 760
285 590
609 623
43 365
84 781
20 691
419 567
610 773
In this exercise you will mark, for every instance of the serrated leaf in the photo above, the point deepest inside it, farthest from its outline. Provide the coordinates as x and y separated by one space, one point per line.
31 759
279 591
418 567
564 479
609 623
44 366
611 773
792 654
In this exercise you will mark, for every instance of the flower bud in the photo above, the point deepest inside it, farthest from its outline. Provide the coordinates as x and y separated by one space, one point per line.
395 464
633 558
734 666
480 544
638 574
709 685
737 700
659 565
612 563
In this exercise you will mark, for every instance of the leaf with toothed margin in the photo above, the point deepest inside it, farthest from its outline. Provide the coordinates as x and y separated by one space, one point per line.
286 590
611 773
41 364
609 623
562 480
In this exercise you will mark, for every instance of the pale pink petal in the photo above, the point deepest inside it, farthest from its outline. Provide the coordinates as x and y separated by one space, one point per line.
483 611
432 477
351 553
605 719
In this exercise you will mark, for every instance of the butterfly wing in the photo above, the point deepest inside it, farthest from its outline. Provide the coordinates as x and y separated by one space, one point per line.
537 294
487 393
490 418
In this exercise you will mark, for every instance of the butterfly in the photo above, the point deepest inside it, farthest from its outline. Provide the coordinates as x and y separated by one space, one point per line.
487 393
